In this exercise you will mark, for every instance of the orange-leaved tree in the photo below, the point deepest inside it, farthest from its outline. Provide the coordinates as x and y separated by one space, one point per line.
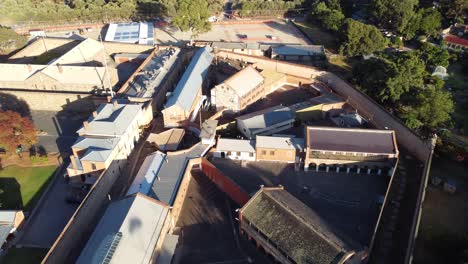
16 130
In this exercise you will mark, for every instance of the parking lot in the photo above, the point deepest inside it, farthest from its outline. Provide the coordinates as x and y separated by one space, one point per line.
348 202
278 31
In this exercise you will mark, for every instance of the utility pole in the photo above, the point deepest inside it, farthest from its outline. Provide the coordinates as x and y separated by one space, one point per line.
106 72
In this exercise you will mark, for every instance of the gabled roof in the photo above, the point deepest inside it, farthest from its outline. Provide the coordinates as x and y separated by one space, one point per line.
456 40
352 140
266 118
147 173
191 81
245 80
104 143
294 228
235 145
96 154
127 232
86 51
112 119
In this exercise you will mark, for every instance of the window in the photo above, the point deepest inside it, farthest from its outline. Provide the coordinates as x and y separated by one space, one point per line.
251 154
263 152
272 152
93 166
238 153
229 153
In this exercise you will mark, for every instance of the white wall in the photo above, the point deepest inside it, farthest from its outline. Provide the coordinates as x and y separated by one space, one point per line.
233 156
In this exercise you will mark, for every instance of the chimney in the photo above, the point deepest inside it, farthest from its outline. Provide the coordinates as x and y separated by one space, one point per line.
73 162
60 69
109 98
85 125
115 103
95 114
29 67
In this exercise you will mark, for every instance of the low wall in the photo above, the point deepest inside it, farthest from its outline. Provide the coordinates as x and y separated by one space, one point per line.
43 101
86 217
377 115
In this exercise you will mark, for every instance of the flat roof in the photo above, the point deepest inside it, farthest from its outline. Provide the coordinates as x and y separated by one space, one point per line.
127 232
191 81
351 139
133 32
298 50
266 117
235 145
295 228
280 142
168 140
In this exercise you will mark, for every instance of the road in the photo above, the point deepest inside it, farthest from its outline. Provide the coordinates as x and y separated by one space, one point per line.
52 214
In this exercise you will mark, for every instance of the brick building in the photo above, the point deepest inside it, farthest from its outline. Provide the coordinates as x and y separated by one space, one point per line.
350 150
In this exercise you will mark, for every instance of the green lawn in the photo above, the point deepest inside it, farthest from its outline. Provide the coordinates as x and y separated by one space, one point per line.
24 255
21 187
319 36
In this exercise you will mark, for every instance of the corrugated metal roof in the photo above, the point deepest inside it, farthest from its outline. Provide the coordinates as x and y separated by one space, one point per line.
147 173
293 227
103 143
278 142
112 120
245 81
130 227
168 179
351 139
299 50
4 232
235 145
266 118
7 216
191 81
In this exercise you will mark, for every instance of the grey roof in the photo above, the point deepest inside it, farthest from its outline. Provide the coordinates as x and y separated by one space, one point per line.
208 130
167 250
280 142
7 220
147 173
294 228
127 232
235 145
103 143
239 45
96 154
266 118
349 120
168 179
298 50
191 81
351 139
244 81
152 74
112 119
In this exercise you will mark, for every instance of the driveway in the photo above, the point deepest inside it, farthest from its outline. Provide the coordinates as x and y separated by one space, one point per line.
52 214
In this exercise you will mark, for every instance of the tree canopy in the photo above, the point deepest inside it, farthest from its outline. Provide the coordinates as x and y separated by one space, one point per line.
10 40
328 14
360 38
192 15
249 8
16 130
393 14
434 56
426 21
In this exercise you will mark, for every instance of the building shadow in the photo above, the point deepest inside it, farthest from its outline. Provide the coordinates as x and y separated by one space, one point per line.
30 205
10 194
54 52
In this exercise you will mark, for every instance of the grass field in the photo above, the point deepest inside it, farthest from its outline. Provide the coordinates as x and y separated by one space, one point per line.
21 187
24 256
319 36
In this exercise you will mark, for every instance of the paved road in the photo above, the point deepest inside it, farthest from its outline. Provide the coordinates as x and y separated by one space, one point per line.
51 217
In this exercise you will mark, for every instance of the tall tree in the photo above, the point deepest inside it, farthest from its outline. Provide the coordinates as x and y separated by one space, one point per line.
455 9
16 130
328 14
360 38
393 14
434 56
192 15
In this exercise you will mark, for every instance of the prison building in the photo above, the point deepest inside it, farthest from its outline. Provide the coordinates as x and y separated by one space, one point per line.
279 148
266 122
288 231
235 149
185 99
350 150
239 91
301 53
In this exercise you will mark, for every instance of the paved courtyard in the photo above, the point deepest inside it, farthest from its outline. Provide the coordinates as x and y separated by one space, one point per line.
348 202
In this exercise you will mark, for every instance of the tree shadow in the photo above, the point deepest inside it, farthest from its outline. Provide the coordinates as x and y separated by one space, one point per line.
10 194
9 102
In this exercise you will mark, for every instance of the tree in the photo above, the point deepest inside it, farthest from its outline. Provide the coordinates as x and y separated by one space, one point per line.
393 14
454 9
361 39
16 130
434 56
431 21
387 80
329 16
434 107
10 40
192 15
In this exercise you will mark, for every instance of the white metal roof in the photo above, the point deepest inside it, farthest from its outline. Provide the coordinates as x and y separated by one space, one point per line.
245 80
147 173
280 142
235 145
